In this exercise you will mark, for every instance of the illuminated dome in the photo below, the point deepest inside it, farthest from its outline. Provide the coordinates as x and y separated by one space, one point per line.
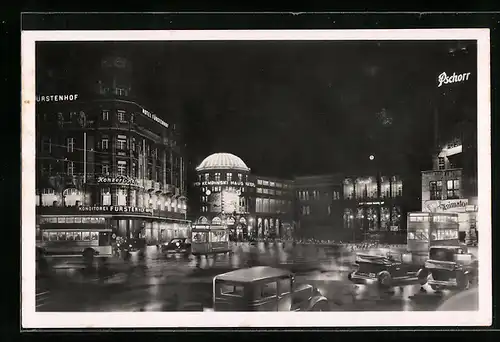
223 161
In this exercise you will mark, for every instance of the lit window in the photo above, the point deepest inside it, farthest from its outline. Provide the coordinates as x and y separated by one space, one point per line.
105 115
217 177
121 91
453 189
71 168
105 196
121 144
122 168
105 144
121 116
435 188
229 176
70 142
240 177
441 163
105 169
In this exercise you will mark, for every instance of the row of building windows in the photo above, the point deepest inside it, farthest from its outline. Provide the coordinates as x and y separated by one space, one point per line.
367 190
217 177
316 195
272 184
452 189
122 197
271 192
121 143
271 205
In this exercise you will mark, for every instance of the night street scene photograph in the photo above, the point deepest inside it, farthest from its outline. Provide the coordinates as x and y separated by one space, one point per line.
247 175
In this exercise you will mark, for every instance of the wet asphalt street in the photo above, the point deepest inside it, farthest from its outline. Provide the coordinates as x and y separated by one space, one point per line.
161 282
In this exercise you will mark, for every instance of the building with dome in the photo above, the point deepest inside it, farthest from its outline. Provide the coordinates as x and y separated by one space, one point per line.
227 193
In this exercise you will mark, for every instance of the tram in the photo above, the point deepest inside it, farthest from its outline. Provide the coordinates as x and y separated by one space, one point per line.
427 229
209 239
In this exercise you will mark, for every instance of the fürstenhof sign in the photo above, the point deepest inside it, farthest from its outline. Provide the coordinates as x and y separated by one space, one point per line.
455 205
115 209
57 98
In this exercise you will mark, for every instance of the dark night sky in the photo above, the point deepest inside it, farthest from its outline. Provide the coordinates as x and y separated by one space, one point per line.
295 108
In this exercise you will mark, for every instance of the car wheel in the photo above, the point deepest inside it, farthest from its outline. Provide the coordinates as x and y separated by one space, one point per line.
463 281
435 288
384 280
320 306
422 277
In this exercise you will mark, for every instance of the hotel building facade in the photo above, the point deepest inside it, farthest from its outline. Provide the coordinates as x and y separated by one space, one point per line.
103 157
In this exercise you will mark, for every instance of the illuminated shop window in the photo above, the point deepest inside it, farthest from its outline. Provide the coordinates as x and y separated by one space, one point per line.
121 196
105 196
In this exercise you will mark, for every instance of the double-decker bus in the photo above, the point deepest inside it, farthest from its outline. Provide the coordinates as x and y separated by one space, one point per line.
209 239
74 236
426 229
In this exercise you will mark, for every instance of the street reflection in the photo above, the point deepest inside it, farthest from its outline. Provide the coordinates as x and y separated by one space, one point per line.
156 281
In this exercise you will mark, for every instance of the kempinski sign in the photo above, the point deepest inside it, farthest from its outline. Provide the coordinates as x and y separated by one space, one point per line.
233 183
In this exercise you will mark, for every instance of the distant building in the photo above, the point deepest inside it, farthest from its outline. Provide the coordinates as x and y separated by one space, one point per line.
102 156
274 207
350 208
251 206
319 207
451 186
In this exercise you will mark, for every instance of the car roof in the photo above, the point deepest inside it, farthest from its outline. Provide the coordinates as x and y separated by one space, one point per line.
247 275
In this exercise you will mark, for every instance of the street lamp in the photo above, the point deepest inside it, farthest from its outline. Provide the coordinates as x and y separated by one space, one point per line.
372 157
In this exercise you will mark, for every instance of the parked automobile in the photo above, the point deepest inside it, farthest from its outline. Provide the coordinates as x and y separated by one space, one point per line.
264 288
177 245
132 245
386 271
451 267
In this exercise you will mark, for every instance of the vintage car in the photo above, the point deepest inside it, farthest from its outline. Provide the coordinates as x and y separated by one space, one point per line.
177 245
451 267
264 288
386 271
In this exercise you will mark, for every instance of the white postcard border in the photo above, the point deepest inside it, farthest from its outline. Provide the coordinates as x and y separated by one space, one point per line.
32 319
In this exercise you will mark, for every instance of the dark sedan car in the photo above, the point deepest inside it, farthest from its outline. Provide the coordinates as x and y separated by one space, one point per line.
386 271
177 245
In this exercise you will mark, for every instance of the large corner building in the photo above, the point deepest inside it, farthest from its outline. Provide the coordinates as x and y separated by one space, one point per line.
103 157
